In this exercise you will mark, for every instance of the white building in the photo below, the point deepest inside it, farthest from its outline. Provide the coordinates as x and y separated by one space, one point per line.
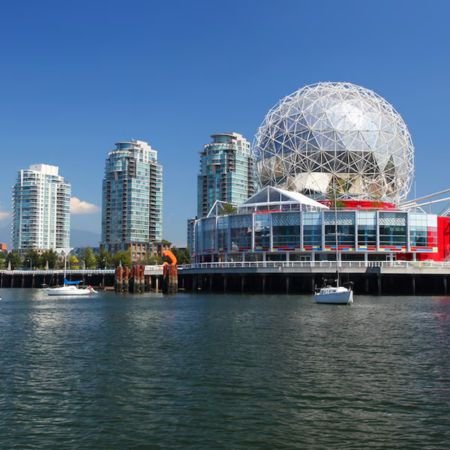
41 208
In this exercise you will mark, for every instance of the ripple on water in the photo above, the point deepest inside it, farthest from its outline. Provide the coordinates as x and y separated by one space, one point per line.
216 372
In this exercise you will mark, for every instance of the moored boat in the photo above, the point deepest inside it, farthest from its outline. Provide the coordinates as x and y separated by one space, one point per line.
70 290
334 295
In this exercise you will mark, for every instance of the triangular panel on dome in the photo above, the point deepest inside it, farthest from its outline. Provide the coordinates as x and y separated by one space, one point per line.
324 142
347 138
381 155
357 187
389 171
370 137
312 182
312 143
310 117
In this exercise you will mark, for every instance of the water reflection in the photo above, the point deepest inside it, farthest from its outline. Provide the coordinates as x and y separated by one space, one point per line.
223 372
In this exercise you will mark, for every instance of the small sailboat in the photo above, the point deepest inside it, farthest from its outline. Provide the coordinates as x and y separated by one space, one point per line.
70 288
335 295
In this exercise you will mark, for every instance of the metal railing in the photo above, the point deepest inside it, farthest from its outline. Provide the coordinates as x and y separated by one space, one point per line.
153 270
149 270
59 272
317 264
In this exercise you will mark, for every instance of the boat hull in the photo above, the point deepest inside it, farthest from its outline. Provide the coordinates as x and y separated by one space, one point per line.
69 291
334 298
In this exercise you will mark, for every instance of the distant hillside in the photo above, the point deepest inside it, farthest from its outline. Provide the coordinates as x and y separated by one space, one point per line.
78 238
83 238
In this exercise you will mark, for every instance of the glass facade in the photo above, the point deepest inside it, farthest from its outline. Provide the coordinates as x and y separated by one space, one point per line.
261 231
393 230
223 237
132 199
307 232
41 204
241 227
339 229
286 231
312 230
226 172
367 230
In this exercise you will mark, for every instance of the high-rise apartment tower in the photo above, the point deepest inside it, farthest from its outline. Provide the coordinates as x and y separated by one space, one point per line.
41 208
226 172
132 199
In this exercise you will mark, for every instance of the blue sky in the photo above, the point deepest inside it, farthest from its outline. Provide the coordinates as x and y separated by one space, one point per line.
77 76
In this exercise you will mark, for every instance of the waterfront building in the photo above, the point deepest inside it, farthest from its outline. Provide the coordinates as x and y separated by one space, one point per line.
132 199
331 156
191 236
280 225
226 172
41 209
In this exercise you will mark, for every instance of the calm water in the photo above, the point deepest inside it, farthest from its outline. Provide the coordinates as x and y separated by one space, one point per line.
223 372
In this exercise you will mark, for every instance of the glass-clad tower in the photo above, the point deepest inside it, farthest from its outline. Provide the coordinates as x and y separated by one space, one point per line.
132 199
226 172
41 208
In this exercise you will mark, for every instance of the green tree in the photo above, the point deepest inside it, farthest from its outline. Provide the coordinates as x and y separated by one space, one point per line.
49 257
152 259
103 259
32 259
88 256
3 260
226 209
74 262
122 257
13 258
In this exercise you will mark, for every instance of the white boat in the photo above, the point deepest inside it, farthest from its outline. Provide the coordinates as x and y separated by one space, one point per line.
334 295
70 291
69 288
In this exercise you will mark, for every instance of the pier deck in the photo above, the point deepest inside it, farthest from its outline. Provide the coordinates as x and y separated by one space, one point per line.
384 277
394 267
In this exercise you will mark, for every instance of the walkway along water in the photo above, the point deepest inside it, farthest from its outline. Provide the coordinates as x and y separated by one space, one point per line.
145 278
376 278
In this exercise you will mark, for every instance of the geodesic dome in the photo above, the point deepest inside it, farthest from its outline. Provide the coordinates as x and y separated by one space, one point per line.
335 140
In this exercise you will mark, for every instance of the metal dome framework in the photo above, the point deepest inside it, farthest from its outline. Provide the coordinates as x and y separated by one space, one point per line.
335 140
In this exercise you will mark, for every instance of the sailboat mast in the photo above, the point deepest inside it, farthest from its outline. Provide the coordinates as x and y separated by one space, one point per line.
336 233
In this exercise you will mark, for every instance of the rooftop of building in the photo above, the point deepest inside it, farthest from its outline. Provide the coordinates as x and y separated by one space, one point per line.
45 169
226 137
